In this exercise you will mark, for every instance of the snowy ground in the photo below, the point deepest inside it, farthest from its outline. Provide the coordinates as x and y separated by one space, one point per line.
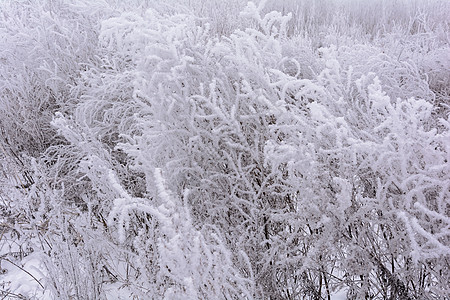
20 279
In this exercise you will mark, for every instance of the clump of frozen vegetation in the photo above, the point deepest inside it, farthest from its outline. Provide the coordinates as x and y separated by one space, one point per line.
158 151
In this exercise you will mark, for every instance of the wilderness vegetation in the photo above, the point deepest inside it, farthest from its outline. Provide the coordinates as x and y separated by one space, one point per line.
224 149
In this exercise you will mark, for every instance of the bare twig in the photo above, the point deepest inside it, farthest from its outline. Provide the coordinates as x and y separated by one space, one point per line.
9 294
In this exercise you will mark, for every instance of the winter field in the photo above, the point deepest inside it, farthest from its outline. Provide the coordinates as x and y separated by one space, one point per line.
219 149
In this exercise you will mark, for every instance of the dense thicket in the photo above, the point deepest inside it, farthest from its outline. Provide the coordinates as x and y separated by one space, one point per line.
153 150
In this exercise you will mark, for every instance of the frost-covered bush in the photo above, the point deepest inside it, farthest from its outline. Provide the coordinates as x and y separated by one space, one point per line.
41 50
372 154
174 159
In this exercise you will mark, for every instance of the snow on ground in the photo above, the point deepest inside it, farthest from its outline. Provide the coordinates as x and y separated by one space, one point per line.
21 279
340 295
